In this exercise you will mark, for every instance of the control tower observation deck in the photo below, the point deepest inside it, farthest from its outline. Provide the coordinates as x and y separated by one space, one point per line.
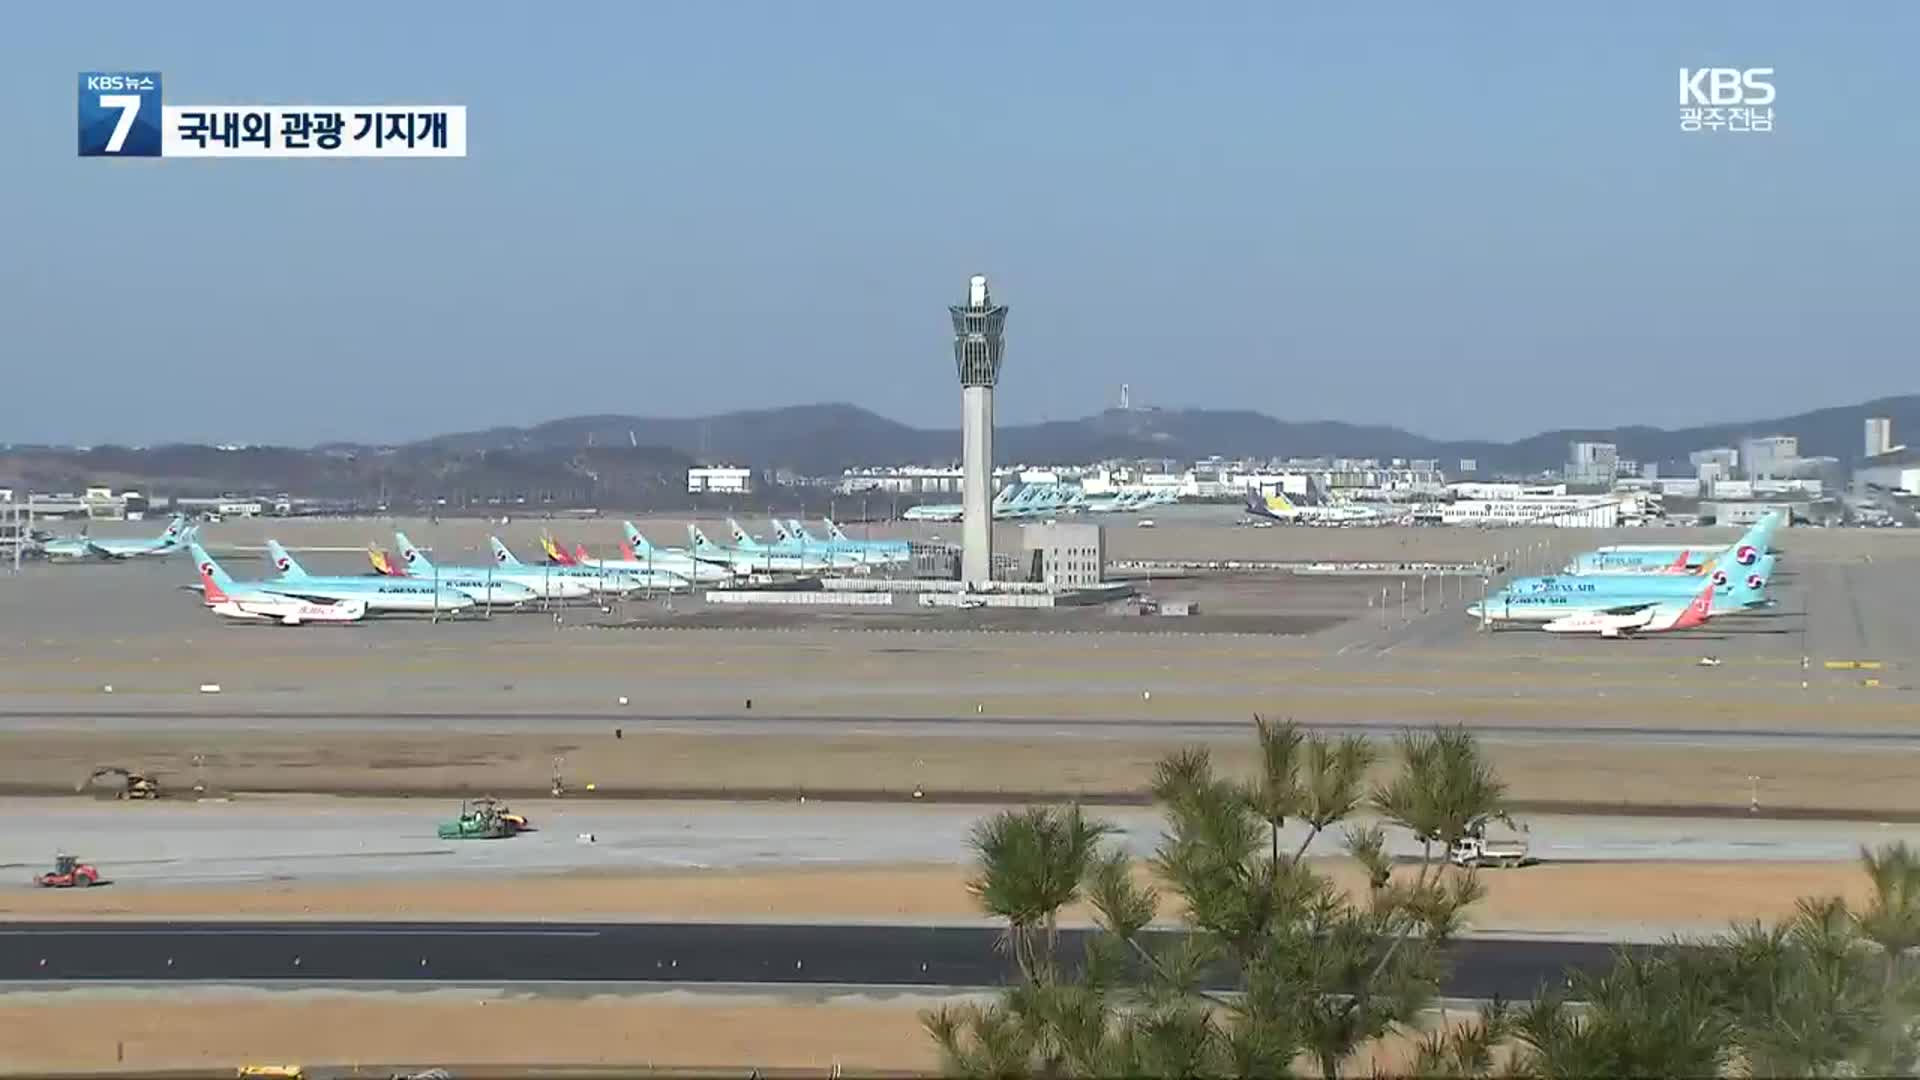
979 343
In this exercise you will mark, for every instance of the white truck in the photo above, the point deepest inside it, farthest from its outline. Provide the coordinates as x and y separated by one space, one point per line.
1507 847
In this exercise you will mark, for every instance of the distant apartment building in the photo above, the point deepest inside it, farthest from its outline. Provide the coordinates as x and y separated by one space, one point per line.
1592 462
719 480
1879 436
1469 466
1769 456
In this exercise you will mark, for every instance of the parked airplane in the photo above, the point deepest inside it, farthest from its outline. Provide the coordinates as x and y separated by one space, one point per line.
1277 507
788 545
662 571
1629 620
497 591
376 593
555 553
900 548
415 564
762 560
1662 558
605 582
680 562
243 603
794 535
178 533
1739 585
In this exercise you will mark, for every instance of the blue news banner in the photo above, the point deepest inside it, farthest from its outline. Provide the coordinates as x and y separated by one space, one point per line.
122 114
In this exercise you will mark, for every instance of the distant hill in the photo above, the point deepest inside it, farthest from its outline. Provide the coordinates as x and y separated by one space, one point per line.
641 461
824 439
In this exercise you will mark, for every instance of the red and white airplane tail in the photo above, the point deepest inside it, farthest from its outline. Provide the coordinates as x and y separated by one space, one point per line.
1697 612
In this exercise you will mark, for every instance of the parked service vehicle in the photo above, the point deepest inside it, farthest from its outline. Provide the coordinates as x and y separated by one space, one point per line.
1507 847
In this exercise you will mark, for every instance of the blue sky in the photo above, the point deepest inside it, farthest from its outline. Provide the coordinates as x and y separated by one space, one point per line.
1460 219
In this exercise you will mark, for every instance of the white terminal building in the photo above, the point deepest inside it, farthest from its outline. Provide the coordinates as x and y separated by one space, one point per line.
719 480
1529 504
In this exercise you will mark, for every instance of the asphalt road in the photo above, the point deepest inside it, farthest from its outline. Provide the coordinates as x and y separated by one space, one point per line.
1574 730
616 952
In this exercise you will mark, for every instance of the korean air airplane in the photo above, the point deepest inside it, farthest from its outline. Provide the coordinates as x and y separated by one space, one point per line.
601 581
669 569
495 592
749 560
376 593
177 535
794 535
787 544
415 564
1738 585
900 548
1655 558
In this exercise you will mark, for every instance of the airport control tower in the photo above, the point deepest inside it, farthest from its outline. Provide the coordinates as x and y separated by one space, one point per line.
979 341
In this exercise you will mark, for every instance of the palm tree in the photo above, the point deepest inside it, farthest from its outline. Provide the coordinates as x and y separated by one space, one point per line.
1033 862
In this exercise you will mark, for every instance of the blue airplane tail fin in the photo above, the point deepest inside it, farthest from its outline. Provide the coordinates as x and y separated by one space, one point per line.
639 543
741 537
501 554
283 561
412 558
211 573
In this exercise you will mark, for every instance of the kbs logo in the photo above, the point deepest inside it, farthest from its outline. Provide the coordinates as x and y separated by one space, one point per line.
1726 99
1725 86
119 114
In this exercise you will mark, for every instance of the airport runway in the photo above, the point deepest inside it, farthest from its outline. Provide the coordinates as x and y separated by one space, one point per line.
310 839
890 956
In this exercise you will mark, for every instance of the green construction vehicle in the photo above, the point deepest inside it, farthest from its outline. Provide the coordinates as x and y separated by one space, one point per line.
477 821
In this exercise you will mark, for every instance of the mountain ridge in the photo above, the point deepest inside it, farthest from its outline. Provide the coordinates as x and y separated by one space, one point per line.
633 460
825 438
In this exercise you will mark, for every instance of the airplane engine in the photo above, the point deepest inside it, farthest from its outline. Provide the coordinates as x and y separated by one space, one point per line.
290 620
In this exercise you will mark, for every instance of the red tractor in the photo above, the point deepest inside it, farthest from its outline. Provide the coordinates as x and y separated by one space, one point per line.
68 872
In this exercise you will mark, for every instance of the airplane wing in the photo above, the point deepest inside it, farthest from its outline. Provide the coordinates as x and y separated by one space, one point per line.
1628 609
98 552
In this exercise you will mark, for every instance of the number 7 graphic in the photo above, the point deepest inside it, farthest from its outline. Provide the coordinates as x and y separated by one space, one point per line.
129 106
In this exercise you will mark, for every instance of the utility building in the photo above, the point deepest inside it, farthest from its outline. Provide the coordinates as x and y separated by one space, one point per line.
1065 556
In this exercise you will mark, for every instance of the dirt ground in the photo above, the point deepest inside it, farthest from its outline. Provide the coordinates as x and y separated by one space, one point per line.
362 1033
220 1030
1578 777
1649 899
